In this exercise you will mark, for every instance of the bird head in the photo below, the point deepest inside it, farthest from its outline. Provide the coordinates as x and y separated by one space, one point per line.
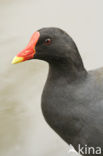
51 45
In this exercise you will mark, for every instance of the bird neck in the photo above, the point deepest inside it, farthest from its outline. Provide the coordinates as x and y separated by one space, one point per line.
66 69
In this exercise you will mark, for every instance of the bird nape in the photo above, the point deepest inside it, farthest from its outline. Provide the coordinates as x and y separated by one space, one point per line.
72 99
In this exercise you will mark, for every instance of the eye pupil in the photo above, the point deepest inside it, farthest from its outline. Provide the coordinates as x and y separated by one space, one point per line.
47 41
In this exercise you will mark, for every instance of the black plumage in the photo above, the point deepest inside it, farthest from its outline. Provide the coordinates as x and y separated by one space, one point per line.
72 99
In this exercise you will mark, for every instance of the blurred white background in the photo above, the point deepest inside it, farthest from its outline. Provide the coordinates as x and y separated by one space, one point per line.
23 130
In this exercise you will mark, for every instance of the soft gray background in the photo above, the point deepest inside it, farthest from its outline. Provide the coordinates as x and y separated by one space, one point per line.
23 131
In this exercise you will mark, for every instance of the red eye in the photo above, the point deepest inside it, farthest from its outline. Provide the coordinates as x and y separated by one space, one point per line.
47 41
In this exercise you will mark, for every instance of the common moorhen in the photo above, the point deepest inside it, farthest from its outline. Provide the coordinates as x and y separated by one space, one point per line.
72 99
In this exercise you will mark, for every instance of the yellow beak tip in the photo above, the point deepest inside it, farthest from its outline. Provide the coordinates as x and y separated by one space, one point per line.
17 60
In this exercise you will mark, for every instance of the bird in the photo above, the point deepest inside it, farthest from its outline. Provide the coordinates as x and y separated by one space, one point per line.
72 98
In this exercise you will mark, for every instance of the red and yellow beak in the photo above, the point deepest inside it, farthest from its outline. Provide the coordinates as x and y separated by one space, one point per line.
29 52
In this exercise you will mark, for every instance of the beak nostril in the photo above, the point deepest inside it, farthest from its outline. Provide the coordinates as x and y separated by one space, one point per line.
26 51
